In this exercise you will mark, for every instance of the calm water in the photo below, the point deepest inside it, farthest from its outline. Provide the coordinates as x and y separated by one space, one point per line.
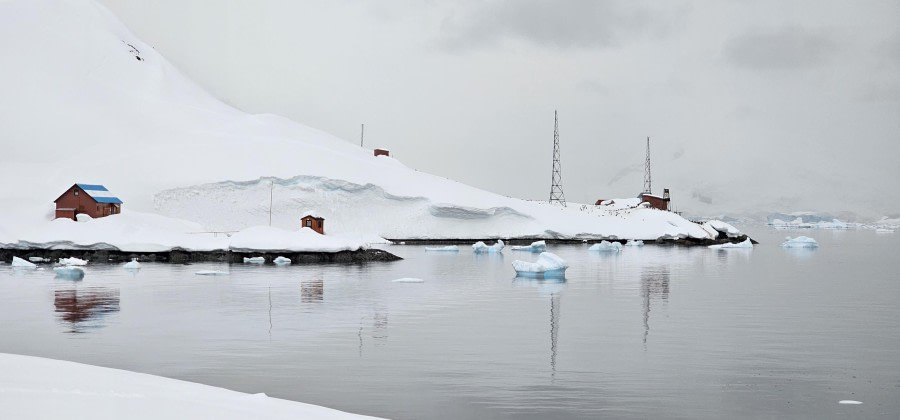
654 332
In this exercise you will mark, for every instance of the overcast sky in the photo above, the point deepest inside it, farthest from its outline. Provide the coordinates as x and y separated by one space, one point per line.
777 105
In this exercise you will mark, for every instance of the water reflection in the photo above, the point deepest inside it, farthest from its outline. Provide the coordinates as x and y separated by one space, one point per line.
552 287
654 284
85 308
312 290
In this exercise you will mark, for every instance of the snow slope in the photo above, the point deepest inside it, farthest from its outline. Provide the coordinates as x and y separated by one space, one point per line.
79 106
38 388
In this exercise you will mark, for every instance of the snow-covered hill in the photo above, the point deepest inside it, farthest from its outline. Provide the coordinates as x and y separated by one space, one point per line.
85 101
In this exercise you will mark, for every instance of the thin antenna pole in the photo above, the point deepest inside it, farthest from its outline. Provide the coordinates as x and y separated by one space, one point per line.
647 180
271 193
556 191
362 134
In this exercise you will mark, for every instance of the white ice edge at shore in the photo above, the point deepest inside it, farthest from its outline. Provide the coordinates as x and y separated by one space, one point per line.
39 388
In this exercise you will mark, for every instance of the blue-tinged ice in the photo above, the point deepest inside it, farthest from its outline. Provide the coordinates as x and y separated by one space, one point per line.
69 272
634 242
547 265
448 248
539 246
282 261
254 260
747 244
800 242
480 248
606 246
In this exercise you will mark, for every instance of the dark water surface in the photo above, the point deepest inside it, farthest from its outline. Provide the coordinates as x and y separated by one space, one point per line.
654 332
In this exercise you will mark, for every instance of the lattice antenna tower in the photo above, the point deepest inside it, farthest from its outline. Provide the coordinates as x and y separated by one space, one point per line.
556 191
647 189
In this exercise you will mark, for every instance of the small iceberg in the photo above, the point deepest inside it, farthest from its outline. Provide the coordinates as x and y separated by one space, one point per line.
408 280
634 242
884 230
69 272
72 261
38 259
747 244
211 273
254 260
800 242
133 265
539 246
20 263
606 246
282 261
547 265
480 247
448 248
850 402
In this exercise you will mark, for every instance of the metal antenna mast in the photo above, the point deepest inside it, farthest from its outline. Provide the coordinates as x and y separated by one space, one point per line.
362 134
556 191
647 170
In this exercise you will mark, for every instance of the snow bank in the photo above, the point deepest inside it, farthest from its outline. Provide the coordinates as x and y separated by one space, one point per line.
20 263
480 247
746 244
38 388
448 248
606 246
539 246
720 226
262 238
547 265
800 242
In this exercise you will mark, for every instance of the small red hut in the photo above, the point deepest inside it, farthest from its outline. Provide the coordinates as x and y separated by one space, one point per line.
93 200
382 152
655 201
312 221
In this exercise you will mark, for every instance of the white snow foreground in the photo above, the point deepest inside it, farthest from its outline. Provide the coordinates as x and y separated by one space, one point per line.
38 388
800 242
129 115
133 231
547 265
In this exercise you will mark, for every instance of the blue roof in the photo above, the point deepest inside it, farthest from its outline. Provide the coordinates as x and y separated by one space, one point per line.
92 187
110 200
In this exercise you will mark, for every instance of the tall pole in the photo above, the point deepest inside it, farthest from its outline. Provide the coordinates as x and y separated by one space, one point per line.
556 191
647 189
362 134
271 193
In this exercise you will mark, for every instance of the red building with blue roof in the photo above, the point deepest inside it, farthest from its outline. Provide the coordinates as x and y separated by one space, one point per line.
93 200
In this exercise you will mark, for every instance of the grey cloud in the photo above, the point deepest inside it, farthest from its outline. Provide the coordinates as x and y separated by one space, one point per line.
582 24
781 49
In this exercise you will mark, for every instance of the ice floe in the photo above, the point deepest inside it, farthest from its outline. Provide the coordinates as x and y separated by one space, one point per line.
800 242
480 247
547 265
448 248
20 263
746 244
539 246
606 246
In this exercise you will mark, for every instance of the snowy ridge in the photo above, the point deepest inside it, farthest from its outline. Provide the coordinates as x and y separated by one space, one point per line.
131 117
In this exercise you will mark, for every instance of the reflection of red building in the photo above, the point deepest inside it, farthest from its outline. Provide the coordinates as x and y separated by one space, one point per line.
77 307
93 200
655 201
315 223
312 291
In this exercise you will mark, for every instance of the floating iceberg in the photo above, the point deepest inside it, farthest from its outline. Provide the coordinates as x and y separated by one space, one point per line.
740 245
282 261
884 230
849 402
38 259
633 242
606 246
480 248
539 246
20 263
211 273
408 280
69 271
72 261
448 248
547 265
254 260
800 242
133 265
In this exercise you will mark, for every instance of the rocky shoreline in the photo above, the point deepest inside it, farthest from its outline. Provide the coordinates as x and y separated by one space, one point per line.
177 256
